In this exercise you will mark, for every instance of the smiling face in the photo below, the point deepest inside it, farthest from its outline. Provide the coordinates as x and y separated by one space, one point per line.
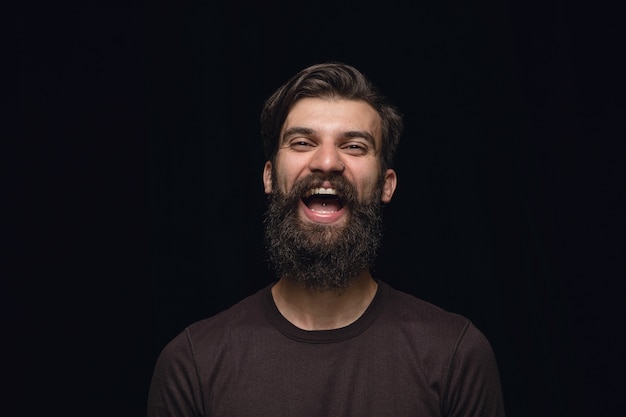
323 223
329 138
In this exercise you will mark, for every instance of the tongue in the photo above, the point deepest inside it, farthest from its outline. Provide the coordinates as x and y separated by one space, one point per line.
323 204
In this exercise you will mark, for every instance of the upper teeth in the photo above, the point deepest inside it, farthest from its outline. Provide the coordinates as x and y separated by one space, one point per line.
326 191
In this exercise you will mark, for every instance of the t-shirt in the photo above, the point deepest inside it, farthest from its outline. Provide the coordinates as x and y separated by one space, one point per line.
402 357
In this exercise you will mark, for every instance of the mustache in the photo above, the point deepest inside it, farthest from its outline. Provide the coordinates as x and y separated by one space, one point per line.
345 190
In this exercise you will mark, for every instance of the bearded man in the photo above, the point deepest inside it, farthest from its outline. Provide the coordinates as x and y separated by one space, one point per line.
327 338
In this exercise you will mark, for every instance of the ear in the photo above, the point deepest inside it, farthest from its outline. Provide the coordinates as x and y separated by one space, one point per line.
389 185
267 177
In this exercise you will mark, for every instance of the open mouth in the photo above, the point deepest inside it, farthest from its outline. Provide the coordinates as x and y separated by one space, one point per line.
323 200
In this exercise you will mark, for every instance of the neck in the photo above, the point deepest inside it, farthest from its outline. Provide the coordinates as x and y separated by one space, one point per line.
324 310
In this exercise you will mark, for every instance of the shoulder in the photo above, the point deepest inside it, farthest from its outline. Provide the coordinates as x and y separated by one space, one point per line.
426 321
217 329
176 381
412 309
427 327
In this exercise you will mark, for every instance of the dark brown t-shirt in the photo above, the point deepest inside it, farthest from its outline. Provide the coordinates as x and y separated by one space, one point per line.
402 357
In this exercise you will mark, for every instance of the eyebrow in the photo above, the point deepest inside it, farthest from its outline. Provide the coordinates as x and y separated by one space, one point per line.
361 134
297 130
293 131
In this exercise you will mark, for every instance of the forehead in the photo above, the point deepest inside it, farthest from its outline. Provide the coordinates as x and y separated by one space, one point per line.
331 115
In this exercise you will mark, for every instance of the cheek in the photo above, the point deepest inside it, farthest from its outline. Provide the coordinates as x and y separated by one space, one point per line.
285 176
367 187
290 169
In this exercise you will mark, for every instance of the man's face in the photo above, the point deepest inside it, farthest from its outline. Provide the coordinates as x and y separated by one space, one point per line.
329 137
323 223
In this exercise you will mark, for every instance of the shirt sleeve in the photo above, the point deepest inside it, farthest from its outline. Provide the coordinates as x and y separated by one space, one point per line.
473 381
174 388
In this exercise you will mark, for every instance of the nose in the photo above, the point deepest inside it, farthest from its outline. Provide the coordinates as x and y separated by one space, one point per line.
326 158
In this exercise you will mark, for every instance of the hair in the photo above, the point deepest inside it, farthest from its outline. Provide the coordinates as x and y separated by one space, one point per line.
329 80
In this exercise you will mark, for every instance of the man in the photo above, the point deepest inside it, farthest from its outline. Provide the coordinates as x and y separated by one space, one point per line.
327 338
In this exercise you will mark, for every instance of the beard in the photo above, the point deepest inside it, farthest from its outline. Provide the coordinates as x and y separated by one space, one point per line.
322 257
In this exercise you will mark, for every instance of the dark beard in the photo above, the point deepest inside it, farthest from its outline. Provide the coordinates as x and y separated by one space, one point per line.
318 256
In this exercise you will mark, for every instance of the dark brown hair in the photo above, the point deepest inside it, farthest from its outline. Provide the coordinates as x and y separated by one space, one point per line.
329 80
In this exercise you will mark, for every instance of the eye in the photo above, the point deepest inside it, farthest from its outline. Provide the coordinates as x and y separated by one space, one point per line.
300 144
355 148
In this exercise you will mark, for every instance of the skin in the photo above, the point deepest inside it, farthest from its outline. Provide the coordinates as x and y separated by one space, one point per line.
329 136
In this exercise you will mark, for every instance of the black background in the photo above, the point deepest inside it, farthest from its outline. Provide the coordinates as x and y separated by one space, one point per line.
138 197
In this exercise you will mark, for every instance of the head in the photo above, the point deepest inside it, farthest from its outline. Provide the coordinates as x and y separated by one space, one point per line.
330 137
330 80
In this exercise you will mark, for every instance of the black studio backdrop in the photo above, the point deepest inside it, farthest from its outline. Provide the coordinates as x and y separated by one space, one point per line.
144 204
